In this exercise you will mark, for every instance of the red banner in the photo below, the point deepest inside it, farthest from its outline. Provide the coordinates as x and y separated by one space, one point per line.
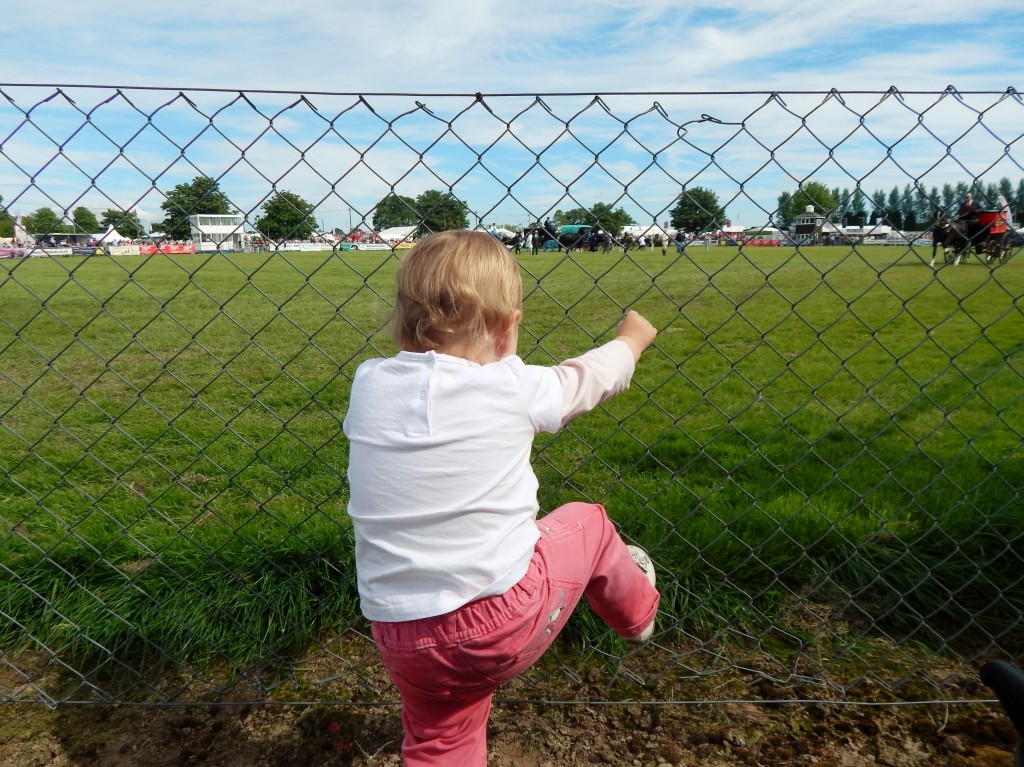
166 247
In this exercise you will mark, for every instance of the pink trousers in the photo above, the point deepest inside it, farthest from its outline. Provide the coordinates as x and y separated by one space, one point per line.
447 667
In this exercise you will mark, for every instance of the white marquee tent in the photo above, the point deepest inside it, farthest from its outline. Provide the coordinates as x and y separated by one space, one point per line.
109 237
499 230
397 234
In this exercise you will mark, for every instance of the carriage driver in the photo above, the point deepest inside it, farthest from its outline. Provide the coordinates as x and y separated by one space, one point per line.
968 213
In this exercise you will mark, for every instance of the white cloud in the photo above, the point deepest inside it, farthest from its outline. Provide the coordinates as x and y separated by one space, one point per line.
463 46
469 45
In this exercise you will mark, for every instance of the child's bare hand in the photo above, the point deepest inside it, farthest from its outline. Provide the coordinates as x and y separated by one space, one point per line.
637 332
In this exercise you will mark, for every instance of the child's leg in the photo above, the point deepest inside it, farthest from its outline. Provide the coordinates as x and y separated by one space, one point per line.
579 542
441 732
447 667
445 702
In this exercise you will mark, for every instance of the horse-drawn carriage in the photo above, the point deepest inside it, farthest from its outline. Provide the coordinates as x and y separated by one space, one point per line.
986 237
567 237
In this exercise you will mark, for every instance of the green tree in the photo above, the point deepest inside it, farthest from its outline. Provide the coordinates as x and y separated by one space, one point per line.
574 216
811 194
697 210
858 214
395 210
878 206
911 208
926 204
439 212
85 221
201 195
42 222
286 216
1005 188
602 216
6 221
986 195
781 217
125 222
949 199
842 198
894 209
959 192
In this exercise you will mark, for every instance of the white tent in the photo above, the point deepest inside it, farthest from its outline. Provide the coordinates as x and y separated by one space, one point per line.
648 231
397 234
21 234
499 230
110 237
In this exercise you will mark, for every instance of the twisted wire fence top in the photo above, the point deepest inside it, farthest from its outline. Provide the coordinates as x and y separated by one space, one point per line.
822 451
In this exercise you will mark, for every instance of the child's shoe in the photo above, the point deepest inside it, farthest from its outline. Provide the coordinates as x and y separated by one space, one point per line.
644 563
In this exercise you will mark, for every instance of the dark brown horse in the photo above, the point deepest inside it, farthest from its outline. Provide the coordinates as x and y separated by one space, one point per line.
573 241
952 236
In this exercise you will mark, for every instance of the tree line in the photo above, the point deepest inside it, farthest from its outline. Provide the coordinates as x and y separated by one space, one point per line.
286 215
913 208
83 221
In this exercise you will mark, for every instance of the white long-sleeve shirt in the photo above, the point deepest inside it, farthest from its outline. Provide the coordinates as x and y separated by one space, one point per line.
442 496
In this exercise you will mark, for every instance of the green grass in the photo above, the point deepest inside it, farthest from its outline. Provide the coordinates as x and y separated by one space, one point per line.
835 425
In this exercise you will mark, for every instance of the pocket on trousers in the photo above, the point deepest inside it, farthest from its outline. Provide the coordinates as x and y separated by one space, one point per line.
562 598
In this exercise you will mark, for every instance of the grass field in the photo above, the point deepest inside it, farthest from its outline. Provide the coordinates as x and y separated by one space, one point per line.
840 426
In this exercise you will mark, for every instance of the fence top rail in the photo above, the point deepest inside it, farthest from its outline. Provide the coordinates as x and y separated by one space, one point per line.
893 90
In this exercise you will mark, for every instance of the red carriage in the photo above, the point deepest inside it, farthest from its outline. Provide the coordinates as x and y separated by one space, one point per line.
987 237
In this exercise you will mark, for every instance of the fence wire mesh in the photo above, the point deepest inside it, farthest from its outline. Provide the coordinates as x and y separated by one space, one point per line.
822 451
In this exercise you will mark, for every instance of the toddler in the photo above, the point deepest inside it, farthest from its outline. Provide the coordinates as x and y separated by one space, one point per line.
463 585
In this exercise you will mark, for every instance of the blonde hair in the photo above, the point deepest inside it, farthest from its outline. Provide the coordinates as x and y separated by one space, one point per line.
455 287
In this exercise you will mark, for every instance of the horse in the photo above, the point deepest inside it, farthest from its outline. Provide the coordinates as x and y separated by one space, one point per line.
574 241
986 236
953 235
514 242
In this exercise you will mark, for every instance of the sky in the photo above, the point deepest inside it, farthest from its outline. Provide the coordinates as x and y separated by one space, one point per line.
690 60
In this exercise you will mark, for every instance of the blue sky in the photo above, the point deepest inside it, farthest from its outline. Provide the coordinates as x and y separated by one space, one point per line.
483 45
653 49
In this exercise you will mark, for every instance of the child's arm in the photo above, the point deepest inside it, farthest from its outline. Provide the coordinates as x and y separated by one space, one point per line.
590 379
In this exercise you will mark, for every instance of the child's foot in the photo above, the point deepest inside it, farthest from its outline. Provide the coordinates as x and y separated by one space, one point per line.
644 563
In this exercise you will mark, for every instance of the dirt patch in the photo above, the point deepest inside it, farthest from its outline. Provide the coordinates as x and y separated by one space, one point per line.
523 735
767 723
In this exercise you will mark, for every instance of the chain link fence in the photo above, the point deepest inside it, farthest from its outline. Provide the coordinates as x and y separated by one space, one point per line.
822 451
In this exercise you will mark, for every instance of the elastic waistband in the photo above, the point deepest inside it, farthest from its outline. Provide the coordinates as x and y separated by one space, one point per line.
468 622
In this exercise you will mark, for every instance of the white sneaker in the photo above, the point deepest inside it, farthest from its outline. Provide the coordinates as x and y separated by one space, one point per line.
643 561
